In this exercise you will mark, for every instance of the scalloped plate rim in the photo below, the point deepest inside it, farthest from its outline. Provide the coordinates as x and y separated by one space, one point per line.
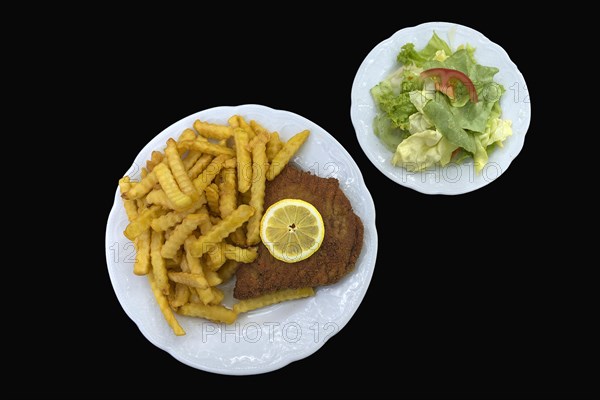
372 154
368 263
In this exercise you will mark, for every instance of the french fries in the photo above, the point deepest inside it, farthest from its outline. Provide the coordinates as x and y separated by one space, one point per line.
244 162
273 146
213 313
200 165
180 234
189 279
288 150
159 268
179 170
142 187
181 296
244 125
211 171
163 303
228 269
155 159
195 214
213 131
142 222
142 258
257 191
220 231
180 200
211 148
272 298
130 206
212 197
164 222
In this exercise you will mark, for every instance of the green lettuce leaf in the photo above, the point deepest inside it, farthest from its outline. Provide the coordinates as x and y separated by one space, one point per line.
438 112
408 55
392 95
422 150
388 134
496 131
418 123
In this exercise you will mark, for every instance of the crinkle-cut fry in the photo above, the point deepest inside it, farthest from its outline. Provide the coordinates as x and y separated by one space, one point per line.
227 192
163 303
228 269
212 197
213 131
272 298
159 269
190 160
222 230
142 187
195 267
233 122
205 227
185 140
180 200
244 161
241 254
209 148
172 263
274 145
178 256
257 191
217 296
209 174
179 171
180 297
142 222
212 277
189 279
159 197
130 205
260 137
187 134
258 128
216 313
164 222
142 254
181 232
194 298
244 125
206 295
286 153
200 165
155 158
215 256
144 172
238 237
230 163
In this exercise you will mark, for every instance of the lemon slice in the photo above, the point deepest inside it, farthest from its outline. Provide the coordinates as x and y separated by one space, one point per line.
292 230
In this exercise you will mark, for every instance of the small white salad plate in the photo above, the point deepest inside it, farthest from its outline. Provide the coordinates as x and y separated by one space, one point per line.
269 338
453 178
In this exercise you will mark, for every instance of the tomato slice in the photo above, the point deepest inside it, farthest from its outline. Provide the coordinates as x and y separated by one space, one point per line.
447 79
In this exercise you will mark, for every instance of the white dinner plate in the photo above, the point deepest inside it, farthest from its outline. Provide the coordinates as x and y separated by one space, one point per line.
453 178
268 338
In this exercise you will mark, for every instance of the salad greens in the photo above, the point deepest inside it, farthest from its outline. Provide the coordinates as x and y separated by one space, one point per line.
440 105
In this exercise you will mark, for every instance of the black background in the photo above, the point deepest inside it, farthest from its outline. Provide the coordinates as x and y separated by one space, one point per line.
461 299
